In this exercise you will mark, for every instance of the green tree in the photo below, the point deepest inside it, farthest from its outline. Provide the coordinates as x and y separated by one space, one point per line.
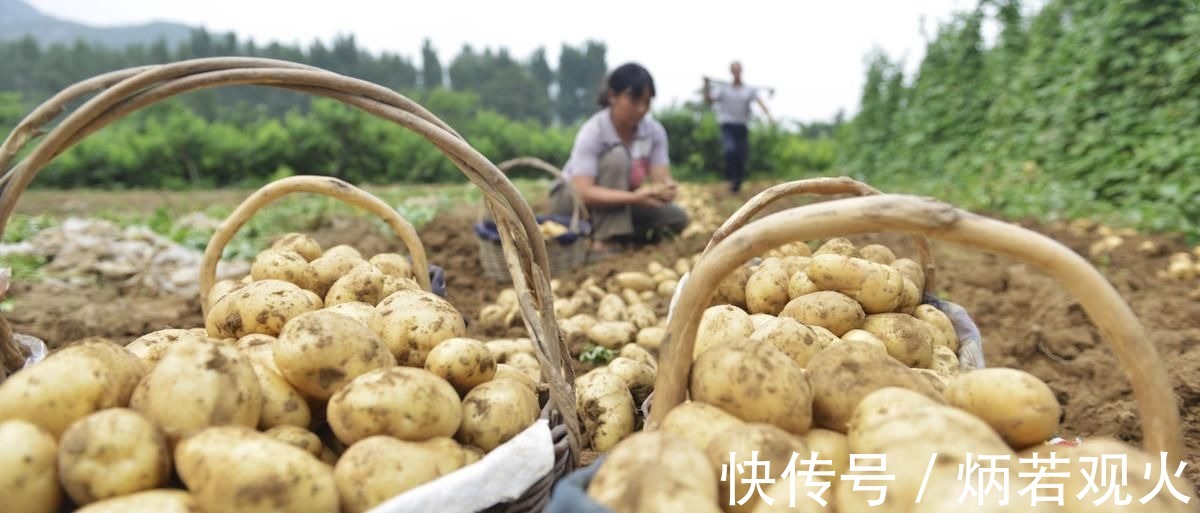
581 72
431 67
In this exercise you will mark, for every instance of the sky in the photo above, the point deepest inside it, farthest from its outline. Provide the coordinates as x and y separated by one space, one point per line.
810 51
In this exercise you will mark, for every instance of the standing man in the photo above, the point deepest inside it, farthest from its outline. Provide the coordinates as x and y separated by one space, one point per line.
733 113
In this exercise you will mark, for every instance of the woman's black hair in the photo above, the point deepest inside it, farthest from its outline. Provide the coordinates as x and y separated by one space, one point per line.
627 77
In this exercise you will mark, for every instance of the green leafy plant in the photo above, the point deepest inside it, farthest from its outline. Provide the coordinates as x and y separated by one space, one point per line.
596 354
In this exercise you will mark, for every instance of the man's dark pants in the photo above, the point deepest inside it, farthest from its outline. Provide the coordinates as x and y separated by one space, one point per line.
735 147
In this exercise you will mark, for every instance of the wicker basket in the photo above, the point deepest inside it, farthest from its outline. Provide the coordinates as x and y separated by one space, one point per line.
566 252
1160 421
125 91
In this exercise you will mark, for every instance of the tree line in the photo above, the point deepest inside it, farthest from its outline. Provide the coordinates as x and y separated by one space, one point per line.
1078 107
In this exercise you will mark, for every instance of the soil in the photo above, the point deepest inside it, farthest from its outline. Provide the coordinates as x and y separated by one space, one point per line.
1028 321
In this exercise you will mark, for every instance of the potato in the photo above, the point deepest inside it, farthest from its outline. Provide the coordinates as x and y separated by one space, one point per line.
392 264
379 468
767 288
493 317
505 371
834 311
1018 405
464 362
413 322
565 308
910 298
70 384
651 337
394 284
637 353
864 337
260 349
841 375
897 423
235 469
638 376
732 289
403 402
666 288
319 352
634 280
363 283
344 251
760 319
641 315
944 334
496 411
285 265
877 253
655 267
300 243
110 453
682 266
737 444
328 268
825 338
357 310
612 308
756 383
648 469
528 365
908 339
151 346
503 349
298 437
150 501
612 335
260 307
837 246
911 270
938 382
218 382
221 288
799 284
876 286
697 422
720 324
795 340
945 362
28 471
607 408
794 248
832 446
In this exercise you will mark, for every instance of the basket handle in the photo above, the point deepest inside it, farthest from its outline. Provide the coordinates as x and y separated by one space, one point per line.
324 185
1161 427
121 92
827 186
577 211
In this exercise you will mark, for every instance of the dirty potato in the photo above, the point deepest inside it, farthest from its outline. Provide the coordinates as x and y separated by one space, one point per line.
302 244
413 322
319 352
496 411
217 380
834 311
28 469
756 383
111 453
285 265
464 362
260 307
403 402
719 325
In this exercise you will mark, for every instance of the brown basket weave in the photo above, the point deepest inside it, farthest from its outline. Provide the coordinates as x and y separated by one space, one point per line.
563 257
1161 427
122 92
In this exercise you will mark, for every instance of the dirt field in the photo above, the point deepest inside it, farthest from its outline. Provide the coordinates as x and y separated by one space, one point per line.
1028 321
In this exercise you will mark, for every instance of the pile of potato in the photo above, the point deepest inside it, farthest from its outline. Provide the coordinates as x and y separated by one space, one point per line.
322 382
831 351
623 315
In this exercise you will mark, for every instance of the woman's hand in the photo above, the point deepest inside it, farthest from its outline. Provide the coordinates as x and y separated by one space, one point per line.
647 197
